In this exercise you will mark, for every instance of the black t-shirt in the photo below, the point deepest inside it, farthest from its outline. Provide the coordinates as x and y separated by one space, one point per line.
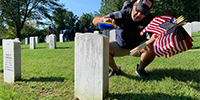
129 35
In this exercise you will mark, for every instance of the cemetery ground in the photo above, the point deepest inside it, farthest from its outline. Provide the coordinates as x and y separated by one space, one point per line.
48 74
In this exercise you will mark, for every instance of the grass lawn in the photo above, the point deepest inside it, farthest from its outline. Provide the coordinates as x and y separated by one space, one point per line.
48 74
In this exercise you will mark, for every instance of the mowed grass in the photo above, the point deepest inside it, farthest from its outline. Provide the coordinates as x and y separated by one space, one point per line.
48 74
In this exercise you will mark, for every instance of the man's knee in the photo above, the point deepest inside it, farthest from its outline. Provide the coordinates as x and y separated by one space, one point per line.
148 49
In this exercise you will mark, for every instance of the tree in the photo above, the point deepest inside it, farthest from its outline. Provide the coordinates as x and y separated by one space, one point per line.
190 9
108 6
15 12
87 19
64 19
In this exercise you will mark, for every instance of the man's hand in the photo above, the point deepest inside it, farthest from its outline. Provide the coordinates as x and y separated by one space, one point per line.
106 19
153 37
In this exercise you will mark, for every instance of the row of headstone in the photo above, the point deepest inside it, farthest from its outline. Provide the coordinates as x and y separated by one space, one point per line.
27 40
91 56
12 57
192 27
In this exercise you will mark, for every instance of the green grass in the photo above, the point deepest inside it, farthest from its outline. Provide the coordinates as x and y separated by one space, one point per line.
48 74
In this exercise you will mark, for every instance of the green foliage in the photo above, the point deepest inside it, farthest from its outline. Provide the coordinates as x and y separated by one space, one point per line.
189 9
15 13
64 19
8 34
108 6
87 19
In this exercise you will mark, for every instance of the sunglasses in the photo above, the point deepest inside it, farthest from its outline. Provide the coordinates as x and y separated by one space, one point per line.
142 12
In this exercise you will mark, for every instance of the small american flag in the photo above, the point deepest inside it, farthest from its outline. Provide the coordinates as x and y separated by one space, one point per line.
152 27
171 41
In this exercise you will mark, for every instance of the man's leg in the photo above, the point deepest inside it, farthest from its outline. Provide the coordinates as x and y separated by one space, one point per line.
117 51
112 63
147 56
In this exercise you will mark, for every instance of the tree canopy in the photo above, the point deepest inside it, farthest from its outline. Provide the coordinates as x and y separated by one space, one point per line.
64 19
15 12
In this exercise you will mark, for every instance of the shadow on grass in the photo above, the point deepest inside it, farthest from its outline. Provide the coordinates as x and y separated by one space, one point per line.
44 79
63 47
195 48
41 48
155 96
196 36
25 47
175 74
1 71
47 48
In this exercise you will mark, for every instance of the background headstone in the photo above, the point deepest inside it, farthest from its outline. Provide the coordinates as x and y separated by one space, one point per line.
91 66
195 26
26 40
32 42
113 35
106 33
188 28
61 37
77 34
199 26
17 39
52 41
36 40
12 60
96 32
47 38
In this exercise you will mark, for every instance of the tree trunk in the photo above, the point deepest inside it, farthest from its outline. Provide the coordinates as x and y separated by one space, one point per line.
18 33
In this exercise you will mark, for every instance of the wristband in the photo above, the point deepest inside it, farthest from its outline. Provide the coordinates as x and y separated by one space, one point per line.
104 18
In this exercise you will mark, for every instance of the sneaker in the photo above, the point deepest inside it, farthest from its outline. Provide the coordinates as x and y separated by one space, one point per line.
113 72
142 73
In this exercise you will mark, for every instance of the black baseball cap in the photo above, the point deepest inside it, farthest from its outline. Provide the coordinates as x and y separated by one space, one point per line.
144 5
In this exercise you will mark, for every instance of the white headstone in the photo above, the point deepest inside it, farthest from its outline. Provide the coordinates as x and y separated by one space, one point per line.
61 37
52 41
113 35
12 60
91 66
188 28
47 38
36 40
199 26
96 32
195 26
32 42
17 39
77 34
26 40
